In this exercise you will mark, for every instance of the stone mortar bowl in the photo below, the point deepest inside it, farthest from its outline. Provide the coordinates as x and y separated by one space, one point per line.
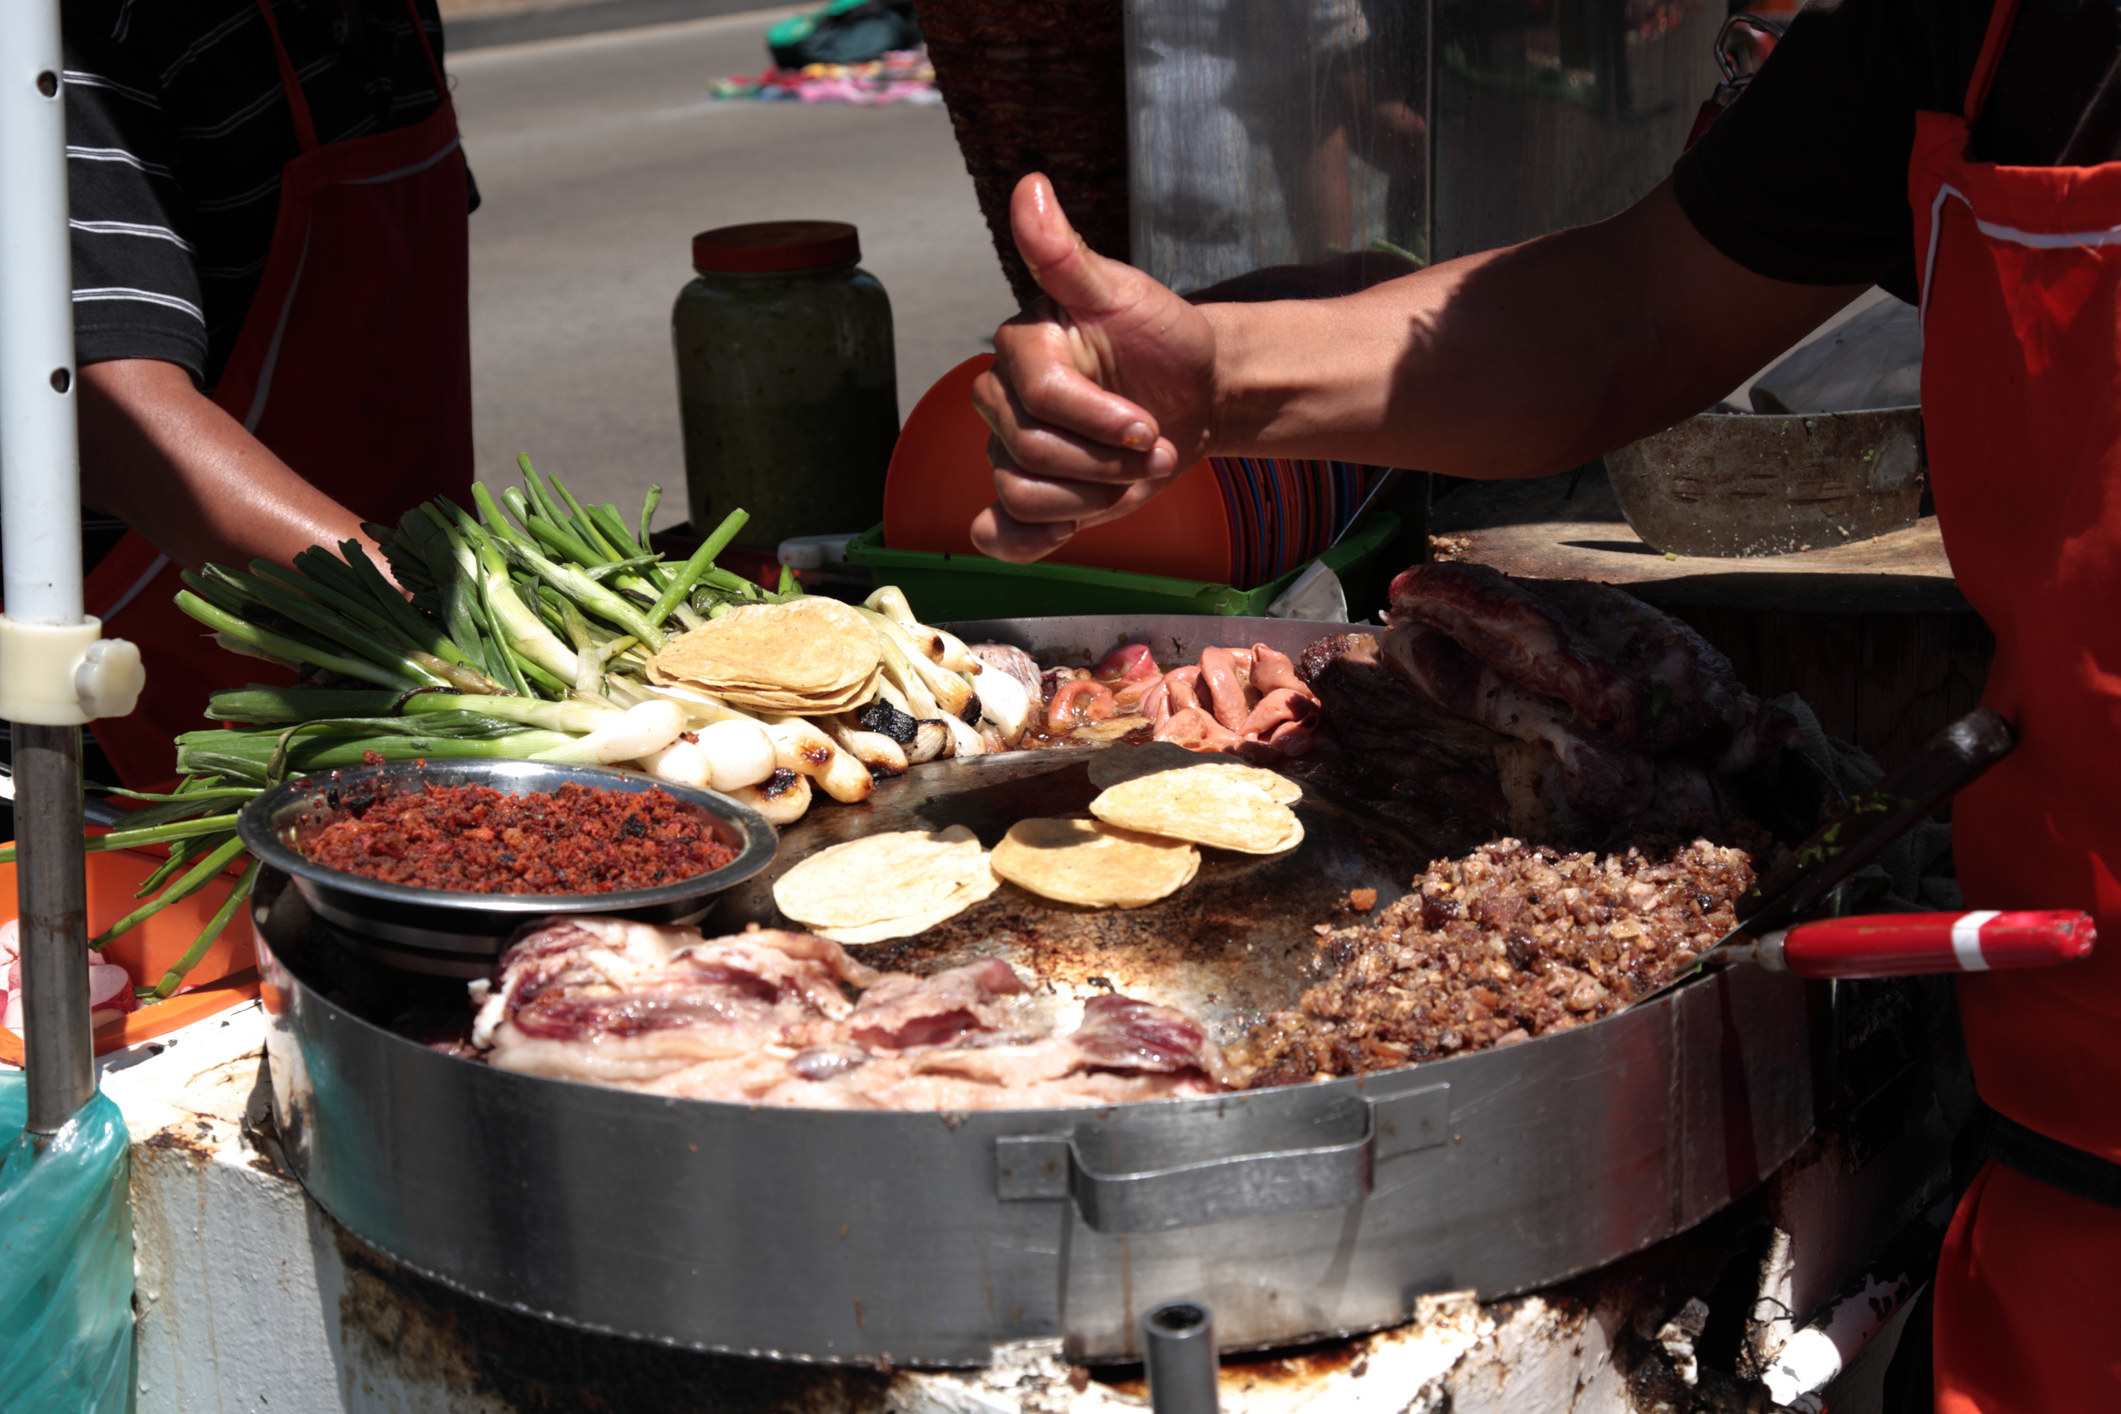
1734 485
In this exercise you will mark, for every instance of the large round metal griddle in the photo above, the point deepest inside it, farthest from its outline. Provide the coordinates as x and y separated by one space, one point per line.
928 1239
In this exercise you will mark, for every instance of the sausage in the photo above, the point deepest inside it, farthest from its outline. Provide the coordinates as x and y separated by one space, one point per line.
1277 707
1183 687
1272 670
1082 700
1226 695
1130 662
1195 730
1155 704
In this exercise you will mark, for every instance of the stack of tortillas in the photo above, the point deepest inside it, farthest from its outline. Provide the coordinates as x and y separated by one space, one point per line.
887 886
1157 803
811 657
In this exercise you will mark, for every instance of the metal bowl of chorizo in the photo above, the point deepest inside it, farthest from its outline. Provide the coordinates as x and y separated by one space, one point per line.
430 866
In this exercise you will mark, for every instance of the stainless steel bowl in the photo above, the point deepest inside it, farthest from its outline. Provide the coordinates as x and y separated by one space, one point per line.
460 934
1736 485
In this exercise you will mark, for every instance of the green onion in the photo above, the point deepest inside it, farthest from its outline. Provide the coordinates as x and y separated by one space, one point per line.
199 876
700 562
288 648
649 502
174 978
134 839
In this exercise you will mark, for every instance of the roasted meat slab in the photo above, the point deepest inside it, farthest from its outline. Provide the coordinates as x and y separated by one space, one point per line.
1579 714
783 1018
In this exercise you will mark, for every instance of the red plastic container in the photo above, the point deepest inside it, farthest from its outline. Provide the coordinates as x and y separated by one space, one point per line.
940 479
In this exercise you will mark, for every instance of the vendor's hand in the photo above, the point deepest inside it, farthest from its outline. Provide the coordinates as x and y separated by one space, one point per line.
1098 397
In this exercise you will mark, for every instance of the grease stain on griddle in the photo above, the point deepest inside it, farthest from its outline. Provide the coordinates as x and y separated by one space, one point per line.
1230 946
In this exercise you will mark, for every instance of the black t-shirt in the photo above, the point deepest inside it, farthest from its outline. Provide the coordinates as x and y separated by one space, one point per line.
1804 178
176 130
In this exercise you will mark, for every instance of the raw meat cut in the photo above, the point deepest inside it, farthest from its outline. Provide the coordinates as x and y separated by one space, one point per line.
766 1017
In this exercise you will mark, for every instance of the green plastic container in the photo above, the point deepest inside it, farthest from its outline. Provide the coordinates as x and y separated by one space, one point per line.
787 383
948 587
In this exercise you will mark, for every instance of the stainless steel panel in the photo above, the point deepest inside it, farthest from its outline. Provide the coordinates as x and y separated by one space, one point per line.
1554 115
1273 132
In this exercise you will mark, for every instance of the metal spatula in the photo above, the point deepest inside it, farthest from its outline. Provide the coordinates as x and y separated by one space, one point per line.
1892 944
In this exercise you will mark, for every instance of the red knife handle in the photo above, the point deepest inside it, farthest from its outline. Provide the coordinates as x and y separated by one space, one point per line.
1909 944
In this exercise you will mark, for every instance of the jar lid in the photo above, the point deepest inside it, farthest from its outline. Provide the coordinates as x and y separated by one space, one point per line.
765 246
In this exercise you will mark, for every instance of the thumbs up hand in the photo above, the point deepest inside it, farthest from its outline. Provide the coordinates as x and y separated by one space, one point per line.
1099 395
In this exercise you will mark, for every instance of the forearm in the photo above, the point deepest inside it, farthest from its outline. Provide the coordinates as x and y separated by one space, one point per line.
1514 362
165 459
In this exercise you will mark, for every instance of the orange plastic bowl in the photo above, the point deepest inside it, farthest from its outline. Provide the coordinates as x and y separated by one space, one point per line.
940 479
225 976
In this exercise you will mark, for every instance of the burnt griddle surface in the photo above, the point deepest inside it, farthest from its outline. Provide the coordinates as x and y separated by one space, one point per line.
1237 941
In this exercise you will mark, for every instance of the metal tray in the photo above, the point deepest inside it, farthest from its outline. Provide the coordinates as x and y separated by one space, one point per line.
929 1239
450 934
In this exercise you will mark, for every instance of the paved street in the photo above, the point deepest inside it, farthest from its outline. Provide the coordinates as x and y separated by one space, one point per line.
598 158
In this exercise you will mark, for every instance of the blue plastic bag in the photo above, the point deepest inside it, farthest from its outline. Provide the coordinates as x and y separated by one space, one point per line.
66 1261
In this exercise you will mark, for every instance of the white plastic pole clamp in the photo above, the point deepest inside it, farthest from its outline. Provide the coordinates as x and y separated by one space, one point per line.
66 675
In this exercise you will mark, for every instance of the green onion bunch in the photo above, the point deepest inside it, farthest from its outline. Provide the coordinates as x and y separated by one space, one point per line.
529 620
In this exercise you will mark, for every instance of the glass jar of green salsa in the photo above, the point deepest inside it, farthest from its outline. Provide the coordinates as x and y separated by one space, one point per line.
787 381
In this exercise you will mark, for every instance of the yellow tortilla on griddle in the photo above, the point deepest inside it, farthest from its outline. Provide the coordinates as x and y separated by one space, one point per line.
1206 807
811 656
980 885
1126 763
864 882
1094 864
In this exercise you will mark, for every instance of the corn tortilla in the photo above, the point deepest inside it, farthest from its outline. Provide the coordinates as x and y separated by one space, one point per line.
971 891
1206 807
900 874
1125 763
795 704
1091 863
810 649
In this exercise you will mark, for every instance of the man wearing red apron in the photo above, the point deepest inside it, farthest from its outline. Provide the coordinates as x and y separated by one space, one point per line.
1960 153
2021 390
342 392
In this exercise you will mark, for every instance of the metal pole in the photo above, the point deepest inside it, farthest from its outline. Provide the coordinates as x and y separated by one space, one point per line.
51 892
40 544
1179 1355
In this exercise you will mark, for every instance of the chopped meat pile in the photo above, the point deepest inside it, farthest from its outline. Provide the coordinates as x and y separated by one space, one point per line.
1506 943
473 839
1559 710
777 1018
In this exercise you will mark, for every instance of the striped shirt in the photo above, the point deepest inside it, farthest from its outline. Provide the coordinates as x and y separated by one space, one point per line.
176 133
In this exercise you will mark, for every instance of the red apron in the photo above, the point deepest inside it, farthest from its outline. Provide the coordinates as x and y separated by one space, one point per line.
353 366
2021 393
